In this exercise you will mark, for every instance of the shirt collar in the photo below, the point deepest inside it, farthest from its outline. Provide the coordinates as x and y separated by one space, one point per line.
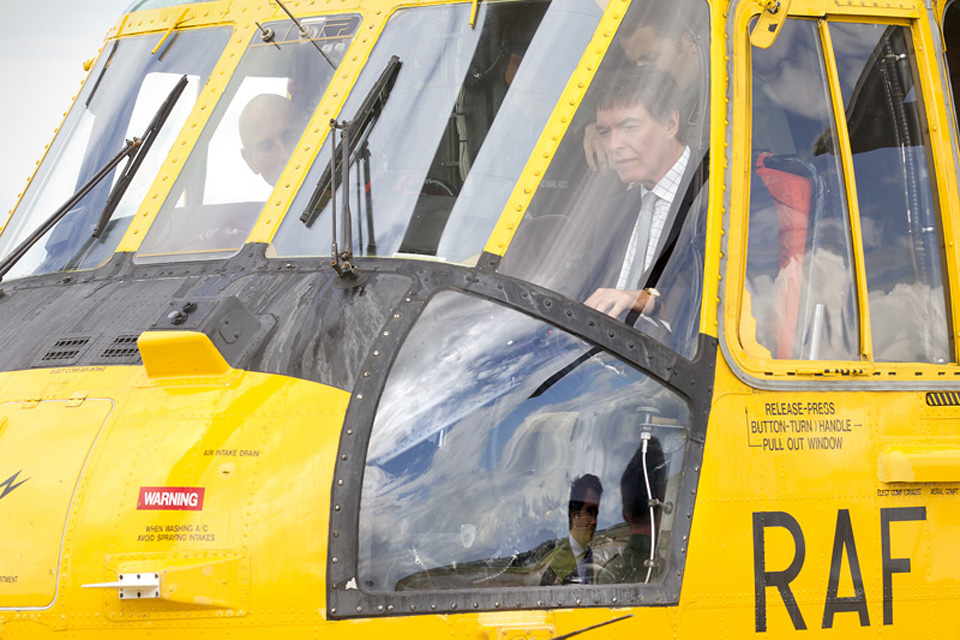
666 189
575 547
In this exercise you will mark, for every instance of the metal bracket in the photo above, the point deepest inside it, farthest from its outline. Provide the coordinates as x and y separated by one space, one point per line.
132 586
771 20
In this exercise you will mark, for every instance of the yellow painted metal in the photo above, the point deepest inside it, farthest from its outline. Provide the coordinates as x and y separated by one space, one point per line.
920 464
38 497
719 127
767 28
177 354
260 446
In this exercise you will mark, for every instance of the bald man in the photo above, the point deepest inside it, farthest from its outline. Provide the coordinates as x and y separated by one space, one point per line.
270 127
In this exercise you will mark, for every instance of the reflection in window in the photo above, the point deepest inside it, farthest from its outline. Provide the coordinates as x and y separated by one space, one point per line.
248 141
118 101
899 214
622 205
485 469
800 296
464 114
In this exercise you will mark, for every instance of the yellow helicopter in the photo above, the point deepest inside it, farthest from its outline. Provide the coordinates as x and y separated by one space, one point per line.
503 319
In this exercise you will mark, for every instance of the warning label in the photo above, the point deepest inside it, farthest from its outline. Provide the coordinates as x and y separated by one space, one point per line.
170 498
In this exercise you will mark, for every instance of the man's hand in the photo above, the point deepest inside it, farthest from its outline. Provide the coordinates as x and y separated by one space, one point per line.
614 302
593 148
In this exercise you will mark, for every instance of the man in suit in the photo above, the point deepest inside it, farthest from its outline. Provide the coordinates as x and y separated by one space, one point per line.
572 560
638 120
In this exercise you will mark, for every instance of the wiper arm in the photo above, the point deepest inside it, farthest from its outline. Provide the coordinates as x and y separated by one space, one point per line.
356 134
592 627
305 33
142 148
50 222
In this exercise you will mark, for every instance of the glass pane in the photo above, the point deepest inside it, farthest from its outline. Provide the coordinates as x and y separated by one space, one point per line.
899 213
247 142
117 103
800 292
506 473
623 204
446 151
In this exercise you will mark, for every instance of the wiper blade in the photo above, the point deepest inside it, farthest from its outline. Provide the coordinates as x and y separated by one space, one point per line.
14 256
142 148
356 132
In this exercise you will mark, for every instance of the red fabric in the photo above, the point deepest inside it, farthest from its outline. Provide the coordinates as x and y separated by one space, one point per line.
791 195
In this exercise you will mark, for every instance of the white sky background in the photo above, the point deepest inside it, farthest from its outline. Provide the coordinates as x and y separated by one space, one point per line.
41 69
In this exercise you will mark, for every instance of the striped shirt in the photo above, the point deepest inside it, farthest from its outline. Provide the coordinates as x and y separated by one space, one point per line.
665 192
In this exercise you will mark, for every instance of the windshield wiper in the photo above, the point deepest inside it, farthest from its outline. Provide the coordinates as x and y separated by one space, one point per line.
129 148
142 148
15 255
356 133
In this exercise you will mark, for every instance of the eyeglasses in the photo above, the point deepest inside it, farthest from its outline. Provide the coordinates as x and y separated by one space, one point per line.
582 509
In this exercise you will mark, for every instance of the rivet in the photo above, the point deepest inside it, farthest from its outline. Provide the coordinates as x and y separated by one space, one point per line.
379 607
335 560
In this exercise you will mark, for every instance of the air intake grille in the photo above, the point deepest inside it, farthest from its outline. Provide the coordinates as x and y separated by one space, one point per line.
124 346
65 349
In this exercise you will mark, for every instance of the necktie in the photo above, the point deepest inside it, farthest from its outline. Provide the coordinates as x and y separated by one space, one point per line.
636 260
586 564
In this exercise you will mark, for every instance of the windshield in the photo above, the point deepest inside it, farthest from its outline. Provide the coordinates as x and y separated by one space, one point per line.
622 207
118 101
480 484
463 116
248 140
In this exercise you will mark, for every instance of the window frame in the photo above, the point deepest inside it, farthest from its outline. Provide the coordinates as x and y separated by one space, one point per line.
866 372
346 598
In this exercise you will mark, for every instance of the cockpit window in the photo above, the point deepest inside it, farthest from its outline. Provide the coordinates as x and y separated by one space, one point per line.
118 102
618 220
800 295
507 474
250 137
463 116
899 211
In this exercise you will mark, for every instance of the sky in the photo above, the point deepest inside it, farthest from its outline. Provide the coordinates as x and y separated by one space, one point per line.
41 67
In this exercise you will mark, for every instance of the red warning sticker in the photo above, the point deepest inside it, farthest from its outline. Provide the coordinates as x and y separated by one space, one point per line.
171 498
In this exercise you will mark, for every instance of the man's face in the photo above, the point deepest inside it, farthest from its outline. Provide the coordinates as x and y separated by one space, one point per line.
676 56
639 147
583 517
270 133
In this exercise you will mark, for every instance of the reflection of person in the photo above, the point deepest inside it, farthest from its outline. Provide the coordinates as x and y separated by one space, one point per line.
642 488
638 120
270 127
572 560
662 35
